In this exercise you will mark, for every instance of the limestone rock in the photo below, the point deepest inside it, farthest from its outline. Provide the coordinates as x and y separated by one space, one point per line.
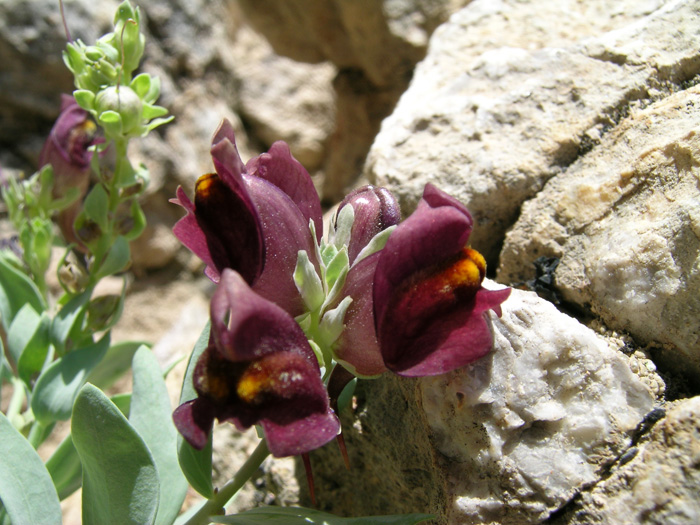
491 119
514 436
283 99
625 221
660 480
537 420
379 38
374 46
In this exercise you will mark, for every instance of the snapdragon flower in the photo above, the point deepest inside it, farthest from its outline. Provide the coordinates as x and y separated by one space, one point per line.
376 294
67 150
257 369
253 218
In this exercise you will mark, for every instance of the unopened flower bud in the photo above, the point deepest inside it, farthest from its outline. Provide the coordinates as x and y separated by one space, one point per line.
375 210
123 101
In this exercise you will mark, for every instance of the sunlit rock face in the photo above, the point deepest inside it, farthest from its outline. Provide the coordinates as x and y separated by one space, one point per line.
625 221
537 420
658 482
511 93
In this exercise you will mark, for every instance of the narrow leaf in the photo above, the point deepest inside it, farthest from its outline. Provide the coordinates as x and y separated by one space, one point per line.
66 319
116 362
120 479
195 464
302 516
65 469
26 489
23 327
33 356
59 384
117 258
16 290
150 415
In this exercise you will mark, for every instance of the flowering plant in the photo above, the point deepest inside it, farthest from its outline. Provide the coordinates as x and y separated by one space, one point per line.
296 318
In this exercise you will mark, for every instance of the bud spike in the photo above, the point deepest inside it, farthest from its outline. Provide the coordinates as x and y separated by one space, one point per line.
309 477
343 450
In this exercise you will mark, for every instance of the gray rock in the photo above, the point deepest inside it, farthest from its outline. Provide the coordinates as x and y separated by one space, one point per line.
491 119
527 427
374 46
661 481
283 99
512 437
625 221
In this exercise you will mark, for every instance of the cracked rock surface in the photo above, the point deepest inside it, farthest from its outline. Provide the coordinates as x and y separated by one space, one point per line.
491 121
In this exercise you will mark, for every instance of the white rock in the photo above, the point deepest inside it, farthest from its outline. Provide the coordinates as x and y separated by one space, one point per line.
660 484
625 221
530 425
510 93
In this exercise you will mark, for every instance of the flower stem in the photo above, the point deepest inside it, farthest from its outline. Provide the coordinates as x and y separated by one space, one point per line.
215 505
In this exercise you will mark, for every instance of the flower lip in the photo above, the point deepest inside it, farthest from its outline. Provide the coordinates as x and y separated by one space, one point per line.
429 304
253 219
257 369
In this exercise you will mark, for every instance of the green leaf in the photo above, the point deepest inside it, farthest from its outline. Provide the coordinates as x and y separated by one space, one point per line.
377 243
96 206
66 319
58 385
16 290
23 327
117 258
120 479
141 84
308 282
84 98
302 516
33 358
65 468
151 416
64 464
343 230
123 403
116 362
28 342
195 464
26 489
111 122
139 219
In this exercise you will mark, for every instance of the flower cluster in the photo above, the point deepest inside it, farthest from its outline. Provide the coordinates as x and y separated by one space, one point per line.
294 311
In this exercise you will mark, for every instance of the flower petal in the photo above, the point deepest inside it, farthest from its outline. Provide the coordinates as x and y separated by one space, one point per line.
425 239
357 348
280 168
231 227
300 437
453 340
188 231
224 153
194 420
285 231
428 302
246 326
376 209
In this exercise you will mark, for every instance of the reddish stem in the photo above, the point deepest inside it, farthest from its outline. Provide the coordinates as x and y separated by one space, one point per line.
309 477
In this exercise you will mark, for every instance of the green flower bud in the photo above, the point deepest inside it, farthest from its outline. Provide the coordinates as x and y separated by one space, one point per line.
124 101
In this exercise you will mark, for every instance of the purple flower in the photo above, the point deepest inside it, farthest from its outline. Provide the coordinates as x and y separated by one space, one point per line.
66 149
257 369
252 218
375 210
419 304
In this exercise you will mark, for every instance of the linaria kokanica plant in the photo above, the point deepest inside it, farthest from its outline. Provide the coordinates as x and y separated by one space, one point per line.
296 316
